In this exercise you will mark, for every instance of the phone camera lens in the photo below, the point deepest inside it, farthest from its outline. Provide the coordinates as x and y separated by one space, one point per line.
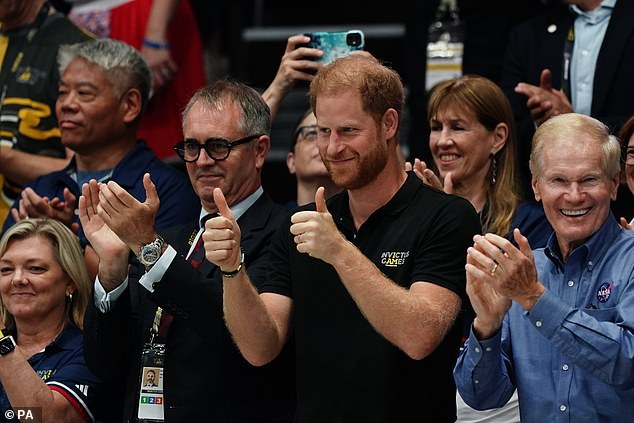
353 39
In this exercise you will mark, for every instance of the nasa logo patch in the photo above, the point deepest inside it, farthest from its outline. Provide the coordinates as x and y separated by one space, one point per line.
603 294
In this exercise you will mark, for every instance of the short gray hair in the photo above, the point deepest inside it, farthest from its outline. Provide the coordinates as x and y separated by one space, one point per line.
255 115
564 125
124 66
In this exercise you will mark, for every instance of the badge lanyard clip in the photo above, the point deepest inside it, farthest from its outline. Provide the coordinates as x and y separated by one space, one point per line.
151 378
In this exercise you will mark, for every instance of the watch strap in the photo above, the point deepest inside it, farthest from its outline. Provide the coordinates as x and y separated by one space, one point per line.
157 246
7 344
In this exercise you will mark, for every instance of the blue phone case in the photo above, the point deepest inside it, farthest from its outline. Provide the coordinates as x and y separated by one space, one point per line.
336 44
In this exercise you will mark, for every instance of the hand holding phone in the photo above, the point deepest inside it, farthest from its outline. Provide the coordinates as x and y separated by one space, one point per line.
336 44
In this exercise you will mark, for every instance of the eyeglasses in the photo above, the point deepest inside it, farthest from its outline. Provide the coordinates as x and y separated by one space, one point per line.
308 132
216 148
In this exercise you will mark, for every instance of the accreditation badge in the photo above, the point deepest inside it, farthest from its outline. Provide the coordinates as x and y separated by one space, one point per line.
151 383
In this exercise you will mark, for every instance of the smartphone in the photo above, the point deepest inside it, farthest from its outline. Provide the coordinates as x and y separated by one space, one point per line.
336 44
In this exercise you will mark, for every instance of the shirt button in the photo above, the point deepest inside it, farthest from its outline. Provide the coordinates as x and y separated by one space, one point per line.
476 349
538 323
571 283
564 367
488 349
476 381
562 407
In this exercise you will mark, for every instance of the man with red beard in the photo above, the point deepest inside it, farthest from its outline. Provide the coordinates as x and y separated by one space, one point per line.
372 281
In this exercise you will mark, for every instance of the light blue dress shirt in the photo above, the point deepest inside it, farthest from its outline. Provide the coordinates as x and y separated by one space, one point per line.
572 357
590 28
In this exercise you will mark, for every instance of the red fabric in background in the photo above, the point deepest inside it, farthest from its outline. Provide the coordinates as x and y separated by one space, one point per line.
161 124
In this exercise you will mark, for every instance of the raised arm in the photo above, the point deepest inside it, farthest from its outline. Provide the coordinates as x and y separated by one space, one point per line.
297 64
415 319
258 323
156 49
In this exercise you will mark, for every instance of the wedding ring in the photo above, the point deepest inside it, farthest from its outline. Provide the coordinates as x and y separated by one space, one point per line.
493 268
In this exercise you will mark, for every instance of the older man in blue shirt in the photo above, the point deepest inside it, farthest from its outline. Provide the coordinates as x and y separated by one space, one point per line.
556 323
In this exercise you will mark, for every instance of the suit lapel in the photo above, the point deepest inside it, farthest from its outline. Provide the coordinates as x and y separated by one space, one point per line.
612 49
554 33
181 237
254 219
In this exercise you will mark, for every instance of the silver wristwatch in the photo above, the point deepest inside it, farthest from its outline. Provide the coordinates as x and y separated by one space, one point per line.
150 253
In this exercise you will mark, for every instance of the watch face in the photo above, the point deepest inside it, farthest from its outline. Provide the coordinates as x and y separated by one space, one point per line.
6 345
150 254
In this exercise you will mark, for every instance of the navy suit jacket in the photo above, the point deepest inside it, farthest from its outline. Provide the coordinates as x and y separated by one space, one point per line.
206 378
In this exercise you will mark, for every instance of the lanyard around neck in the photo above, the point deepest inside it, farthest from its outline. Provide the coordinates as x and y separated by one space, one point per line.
567 62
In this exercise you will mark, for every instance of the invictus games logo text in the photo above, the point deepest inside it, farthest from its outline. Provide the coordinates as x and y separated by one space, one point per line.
394 258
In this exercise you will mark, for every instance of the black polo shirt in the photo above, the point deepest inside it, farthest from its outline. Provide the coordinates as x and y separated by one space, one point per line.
346 371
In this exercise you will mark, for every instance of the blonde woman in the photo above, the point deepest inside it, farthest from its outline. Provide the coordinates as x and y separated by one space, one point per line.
44 289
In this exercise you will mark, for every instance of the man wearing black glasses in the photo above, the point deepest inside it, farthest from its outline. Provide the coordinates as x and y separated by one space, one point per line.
303 161
169 309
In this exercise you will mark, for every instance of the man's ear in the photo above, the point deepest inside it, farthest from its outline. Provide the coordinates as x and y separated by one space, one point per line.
262 147
131 104
538 196
389 123
614 187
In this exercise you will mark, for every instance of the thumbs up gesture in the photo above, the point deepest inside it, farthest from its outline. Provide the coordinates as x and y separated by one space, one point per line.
222 236
315 231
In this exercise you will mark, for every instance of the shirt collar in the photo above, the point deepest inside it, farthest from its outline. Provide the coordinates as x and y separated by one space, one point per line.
69 339
238 208
129 170
403 196
597 15
400 200
593 248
